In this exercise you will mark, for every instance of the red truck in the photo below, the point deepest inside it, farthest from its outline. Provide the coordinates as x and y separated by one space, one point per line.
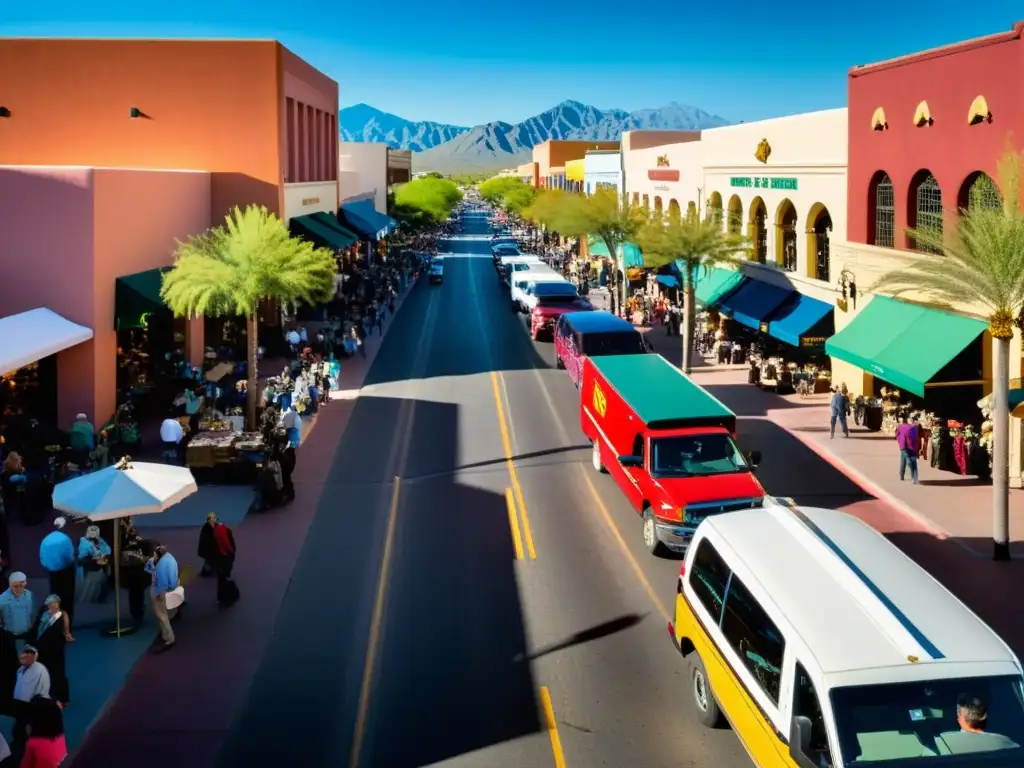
668 443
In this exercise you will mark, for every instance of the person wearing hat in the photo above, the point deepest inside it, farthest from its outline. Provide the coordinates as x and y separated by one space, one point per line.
17 614
93 563
57 556
32 680
81 438
52 634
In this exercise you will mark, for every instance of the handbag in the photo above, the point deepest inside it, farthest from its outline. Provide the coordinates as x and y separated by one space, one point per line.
175 598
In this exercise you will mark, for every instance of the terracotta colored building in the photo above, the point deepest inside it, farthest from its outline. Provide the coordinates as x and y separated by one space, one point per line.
111 150
923 128
551 156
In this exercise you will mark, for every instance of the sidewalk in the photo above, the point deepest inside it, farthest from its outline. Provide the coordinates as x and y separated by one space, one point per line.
944 523
184 701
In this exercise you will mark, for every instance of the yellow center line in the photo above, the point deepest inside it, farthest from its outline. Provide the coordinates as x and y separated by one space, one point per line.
375 629
513 523
510 462
552 725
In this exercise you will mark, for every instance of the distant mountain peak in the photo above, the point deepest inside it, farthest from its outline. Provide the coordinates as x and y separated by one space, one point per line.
363 122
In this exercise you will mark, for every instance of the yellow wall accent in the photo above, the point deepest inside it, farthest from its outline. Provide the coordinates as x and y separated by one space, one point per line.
923 114
878 121
575 170
979 110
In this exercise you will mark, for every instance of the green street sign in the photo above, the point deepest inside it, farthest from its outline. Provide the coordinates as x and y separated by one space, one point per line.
763 182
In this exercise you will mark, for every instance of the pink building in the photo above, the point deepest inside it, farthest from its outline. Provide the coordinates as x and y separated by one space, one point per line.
70 234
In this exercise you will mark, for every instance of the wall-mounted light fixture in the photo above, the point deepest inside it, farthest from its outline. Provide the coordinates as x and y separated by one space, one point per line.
134 112
5 112
848 286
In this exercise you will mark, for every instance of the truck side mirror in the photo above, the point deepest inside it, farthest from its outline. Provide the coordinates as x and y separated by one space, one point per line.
754 458
800 742
631 461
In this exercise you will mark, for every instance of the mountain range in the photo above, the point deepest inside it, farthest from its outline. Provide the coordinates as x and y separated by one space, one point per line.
452 148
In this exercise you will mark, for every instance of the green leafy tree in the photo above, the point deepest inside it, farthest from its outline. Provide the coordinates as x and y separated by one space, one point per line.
470 179
424 202
980 263
695 246
601 215
494 190
230 269
518 199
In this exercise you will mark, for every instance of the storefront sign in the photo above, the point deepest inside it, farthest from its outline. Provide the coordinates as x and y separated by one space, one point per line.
763 182
310 200
661 187
663 174
764 327
812 341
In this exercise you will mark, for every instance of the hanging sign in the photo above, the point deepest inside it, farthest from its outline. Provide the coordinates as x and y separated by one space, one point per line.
812 341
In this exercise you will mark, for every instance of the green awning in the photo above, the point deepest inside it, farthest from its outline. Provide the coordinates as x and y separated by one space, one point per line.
903 344
330 220
320 233
710 287
629 252
137 296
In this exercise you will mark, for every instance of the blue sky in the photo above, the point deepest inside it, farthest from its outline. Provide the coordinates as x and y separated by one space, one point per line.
470 63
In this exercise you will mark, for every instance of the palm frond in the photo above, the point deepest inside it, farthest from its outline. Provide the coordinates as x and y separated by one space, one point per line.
689 242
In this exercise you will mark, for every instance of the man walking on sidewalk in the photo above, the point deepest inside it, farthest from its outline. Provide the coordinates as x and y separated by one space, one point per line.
908 438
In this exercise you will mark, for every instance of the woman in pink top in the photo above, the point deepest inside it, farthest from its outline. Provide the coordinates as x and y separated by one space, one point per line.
45 746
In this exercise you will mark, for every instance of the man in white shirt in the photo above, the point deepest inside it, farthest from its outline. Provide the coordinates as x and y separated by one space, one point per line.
171 435
33 680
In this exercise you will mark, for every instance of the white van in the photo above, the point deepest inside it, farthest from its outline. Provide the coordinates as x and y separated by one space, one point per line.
522 280
822 644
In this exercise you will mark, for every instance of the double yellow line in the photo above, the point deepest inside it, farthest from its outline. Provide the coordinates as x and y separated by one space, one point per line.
513 496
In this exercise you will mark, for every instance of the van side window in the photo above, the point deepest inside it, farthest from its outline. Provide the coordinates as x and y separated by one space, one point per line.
638 446
754 637
561 325
709 576
806 704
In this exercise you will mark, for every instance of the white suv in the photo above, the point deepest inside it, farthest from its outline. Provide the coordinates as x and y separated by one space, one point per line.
523 283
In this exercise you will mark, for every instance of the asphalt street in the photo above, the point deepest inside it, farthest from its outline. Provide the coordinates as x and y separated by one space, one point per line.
421 627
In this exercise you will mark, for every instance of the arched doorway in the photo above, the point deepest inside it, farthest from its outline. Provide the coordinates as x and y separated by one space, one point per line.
925 209
647 202
673 209
785 236
979 192
819 230
657 204
636 198
758 231
691 211
734 224
715 209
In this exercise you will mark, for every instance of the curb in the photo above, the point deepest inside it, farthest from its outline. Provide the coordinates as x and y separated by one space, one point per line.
869 486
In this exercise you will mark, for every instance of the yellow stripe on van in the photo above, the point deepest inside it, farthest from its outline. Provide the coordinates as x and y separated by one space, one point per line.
756 733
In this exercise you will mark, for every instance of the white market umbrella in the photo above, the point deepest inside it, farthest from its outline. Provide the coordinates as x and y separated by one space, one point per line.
123 490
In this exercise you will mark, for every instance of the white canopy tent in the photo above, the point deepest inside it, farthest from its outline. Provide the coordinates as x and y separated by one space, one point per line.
30 336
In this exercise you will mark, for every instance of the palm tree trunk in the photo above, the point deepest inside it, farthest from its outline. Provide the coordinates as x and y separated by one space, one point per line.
689 320
253 384
1001 453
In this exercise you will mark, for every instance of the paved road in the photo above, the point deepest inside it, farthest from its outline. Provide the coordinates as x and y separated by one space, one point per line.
411 634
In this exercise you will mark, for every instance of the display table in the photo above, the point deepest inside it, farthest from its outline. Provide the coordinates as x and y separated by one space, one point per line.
218 447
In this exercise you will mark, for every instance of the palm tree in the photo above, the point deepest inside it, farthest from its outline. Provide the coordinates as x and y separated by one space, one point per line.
695 245
980 263
230 269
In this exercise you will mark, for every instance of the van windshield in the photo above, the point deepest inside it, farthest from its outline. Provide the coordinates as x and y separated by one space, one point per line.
615 343
924 724
693 455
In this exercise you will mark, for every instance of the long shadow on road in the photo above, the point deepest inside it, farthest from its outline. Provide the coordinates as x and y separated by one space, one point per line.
445 681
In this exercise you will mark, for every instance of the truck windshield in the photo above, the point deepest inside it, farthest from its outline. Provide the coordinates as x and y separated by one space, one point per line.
689 455
616 343
933 723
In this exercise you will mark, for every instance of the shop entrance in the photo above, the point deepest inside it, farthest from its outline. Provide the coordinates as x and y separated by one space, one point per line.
786 225
820 238
759 230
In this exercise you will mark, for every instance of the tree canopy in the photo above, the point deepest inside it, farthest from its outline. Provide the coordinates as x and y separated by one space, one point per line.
469 179
518 199
494 190
696 244
424 202
600 215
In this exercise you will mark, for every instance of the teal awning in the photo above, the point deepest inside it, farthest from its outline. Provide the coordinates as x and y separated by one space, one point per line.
903 344
137 296
330 220
362 217
802 321
629 252
711 287
320 233
753 302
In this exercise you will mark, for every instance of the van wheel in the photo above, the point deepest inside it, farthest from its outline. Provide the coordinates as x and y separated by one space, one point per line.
596 457
559 364
704 702
654 546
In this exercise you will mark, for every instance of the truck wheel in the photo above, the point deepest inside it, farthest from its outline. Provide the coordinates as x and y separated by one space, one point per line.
596 457
559 364
654 546
708 713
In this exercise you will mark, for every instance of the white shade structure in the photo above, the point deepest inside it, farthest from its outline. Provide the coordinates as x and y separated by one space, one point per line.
124 490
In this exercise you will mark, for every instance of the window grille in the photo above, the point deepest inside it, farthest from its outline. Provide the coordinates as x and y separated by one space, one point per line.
760 237
885 213
984 195
822 257
929 210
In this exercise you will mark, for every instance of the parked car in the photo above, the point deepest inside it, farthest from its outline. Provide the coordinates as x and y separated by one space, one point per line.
436 274
524 280
582 334
548 302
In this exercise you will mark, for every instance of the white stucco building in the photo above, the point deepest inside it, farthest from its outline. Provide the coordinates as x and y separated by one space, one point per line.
368 170
602 168
780 182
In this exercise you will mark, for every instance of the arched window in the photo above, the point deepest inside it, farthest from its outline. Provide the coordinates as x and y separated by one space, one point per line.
882 211
647 202
735 221
673 209
979 192
657 204
759 231
715 209
819 233
785 236
926 209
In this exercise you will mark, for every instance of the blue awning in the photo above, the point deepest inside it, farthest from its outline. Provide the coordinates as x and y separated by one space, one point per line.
802 321
753 302
361 216
668 281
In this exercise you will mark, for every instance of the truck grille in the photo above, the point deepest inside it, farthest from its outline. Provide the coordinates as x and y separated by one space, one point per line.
700 511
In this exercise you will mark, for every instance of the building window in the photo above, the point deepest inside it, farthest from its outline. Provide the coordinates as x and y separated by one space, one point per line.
787 236
759 231
715 209
735 215
884 209
292 171
979 192
822 257
927 210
